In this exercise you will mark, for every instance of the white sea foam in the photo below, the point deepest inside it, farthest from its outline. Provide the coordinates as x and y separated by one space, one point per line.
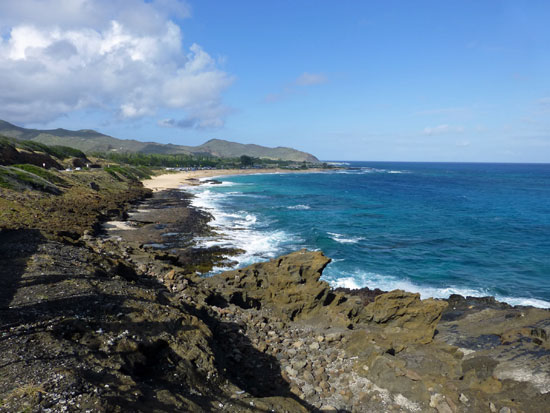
300 206
345 282
533 302
338 163
362 279
238 229
222 183
343 239
368 170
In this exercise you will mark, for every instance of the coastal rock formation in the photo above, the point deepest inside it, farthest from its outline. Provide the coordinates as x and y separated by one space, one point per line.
288 286
111 322
400 310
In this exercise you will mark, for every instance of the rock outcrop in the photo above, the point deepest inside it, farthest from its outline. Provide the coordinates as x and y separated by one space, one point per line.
288 286
406 315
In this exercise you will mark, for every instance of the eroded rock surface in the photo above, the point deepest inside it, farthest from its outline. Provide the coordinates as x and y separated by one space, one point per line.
113 324
288 286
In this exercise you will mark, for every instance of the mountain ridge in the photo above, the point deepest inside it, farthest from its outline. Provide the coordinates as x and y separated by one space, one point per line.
89 140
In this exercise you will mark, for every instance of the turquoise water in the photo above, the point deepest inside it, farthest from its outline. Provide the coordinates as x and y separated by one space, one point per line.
435 228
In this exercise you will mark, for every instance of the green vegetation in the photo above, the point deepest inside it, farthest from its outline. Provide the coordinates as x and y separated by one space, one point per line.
159 160
16 178
247 160
60 152
29 201
155 160
64 152
129 172
91 141
43 173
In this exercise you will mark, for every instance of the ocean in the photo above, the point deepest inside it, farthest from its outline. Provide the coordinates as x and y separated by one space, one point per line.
433 228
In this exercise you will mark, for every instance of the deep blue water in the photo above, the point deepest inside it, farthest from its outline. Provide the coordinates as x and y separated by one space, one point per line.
435 228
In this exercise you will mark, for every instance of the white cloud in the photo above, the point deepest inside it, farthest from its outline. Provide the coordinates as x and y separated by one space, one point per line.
442 129
123 56
137 15
308 79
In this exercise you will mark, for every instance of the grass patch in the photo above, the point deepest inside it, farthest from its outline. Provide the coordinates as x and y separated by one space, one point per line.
41 172
129 172
57 151
64 152
19 179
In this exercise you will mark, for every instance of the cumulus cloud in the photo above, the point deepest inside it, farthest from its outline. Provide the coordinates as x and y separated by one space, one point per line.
123 56
442 129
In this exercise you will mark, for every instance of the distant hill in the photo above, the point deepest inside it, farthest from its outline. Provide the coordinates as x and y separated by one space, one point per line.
91 141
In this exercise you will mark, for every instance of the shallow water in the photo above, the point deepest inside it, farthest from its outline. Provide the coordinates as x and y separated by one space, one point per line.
435 228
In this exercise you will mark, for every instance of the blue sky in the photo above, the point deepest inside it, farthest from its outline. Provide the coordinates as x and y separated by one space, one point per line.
348 80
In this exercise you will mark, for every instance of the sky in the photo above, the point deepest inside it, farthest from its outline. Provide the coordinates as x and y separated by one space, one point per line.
448 81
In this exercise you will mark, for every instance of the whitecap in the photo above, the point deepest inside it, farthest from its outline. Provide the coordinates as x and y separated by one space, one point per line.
299 206
344 239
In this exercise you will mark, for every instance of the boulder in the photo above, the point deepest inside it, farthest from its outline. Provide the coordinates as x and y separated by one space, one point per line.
405 311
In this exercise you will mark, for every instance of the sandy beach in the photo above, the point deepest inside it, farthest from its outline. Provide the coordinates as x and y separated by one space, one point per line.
188 178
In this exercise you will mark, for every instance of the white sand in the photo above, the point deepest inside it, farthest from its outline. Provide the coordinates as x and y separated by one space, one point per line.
188 178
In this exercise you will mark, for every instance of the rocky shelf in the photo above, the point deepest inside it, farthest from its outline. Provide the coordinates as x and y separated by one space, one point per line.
108 323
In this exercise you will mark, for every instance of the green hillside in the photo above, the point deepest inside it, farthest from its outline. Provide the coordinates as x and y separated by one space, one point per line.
226 149
91 141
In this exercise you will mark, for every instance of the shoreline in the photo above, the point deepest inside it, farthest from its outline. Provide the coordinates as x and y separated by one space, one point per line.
167 181
105 323
193 178
127 326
